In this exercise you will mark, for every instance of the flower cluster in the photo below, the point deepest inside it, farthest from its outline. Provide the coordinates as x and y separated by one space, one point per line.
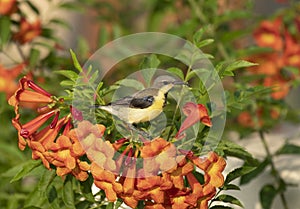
42 134
285 55
154 172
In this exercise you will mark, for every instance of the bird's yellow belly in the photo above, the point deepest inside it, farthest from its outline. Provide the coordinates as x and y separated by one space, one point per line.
143 115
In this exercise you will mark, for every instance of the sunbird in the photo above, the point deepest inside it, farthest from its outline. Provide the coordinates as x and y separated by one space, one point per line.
144 105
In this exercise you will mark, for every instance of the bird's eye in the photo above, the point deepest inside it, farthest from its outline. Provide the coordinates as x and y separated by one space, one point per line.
165 82
149 99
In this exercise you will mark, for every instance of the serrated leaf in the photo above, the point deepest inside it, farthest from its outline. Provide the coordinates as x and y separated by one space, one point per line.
75 61
25 169
267 195
176 71
288 149
68 194
253 174
229 199
69 74
238 172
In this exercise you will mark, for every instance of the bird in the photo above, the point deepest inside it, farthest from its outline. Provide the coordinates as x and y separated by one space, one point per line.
144 105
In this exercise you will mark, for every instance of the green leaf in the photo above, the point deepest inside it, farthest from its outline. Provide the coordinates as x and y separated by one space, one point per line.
239 64
110 205
5 30
204 43
176 71
267 195
235 150
231 187
38 196
69 74
229 199
202 73
86 189
68 194
288 149
53 198
198 35
67 83
238 172
75 61
34 57
253 174
24 169
118 203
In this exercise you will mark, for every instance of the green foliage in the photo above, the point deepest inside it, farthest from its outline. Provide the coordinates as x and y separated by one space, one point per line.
267 195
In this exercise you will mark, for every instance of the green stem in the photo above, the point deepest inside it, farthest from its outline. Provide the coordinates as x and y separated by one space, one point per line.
274 171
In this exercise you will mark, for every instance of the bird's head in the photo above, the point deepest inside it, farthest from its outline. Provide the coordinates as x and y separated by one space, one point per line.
165 83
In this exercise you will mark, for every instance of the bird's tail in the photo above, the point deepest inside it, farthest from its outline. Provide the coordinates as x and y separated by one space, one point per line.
102 107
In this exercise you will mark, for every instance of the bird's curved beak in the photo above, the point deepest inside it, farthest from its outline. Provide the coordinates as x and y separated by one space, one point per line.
180 83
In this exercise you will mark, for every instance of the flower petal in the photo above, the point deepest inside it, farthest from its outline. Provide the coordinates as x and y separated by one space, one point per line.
194 113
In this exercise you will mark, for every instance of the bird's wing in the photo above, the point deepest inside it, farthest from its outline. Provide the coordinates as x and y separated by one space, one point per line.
124 101
142 102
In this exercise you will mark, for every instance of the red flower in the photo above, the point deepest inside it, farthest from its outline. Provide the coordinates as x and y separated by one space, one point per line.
213 165
65 155
194 113
28 31
37 96
268 34
7 7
